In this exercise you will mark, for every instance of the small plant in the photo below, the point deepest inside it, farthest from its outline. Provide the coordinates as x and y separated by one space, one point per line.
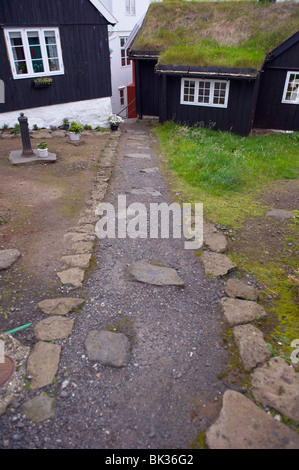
66 123
101 129
5 127
75 127
115 120
35 127
42 145
16 129
87 127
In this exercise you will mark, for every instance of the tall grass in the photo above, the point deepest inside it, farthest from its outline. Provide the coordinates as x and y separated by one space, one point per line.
220 162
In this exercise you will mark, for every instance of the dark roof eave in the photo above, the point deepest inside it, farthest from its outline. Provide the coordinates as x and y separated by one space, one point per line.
144 54
192 71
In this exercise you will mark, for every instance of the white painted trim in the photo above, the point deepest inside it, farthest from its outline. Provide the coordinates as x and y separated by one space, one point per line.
211 96
104 11
286 88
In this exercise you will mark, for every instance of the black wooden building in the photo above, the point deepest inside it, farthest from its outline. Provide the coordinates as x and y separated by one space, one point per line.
65 42
224 98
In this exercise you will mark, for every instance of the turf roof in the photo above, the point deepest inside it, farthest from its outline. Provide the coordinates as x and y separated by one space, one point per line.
216 34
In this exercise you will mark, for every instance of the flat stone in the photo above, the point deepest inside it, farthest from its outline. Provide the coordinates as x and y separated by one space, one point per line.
280 214
7 135
252 347
238 311
74 237
40 135
150 170
61 306
16 158
54 327
142 191
216 264
80 261
144 271
11 389
241 290
8 258
40 408
243 425
58 133
277 385
82 247
43 363
72 276
216 242
138 155
111 349
85 228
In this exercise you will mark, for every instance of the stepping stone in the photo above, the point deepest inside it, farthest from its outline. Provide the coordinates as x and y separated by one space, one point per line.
252 347
43 363
138 155
138 137
216 242
149 170
277 385
142 191
243 425
144 271
58 133
280 214
40 408
61 306
72 276
74 237
111 349
79 261
8 258
241 290
52 328
216 264
86 228
82 247
238 311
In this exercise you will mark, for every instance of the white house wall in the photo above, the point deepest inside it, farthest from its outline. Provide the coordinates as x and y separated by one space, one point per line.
90 112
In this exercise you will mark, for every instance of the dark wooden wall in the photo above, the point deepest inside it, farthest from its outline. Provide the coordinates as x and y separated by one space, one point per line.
271 113
147 88
85 52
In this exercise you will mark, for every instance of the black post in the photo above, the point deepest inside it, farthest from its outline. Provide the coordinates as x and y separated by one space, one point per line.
27 150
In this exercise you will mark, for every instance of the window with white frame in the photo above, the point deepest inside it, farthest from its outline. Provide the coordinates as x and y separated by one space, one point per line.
202 92
291 88
34 52
124 53
122 96
130 7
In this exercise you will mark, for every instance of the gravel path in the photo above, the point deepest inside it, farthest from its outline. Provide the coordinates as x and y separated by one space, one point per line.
169 391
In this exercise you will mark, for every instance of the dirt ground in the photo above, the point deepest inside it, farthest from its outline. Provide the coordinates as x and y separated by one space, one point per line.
39 203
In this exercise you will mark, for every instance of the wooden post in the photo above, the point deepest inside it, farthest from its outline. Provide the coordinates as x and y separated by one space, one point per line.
27 150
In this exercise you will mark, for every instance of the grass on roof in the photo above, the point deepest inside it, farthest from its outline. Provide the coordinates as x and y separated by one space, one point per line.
227 34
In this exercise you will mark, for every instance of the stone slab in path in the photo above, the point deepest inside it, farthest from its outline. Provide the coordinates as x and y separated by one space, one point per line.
73 277
144 271
60 306
39 408
216 264
8 258
238 311
150 170
277 385
252 347
243 425
54 327
43 363
138 155
280 214
109 348
147 190
16 158
240 290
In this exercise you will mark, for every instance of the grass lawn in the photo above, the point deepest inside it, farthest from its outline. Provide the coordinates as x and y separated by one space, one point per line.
229 174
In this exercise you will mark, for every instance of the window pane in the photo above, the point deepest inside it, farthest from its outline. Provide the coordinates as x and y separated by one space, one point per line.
18 52
204 92
219 93
35 51
292 93
189 90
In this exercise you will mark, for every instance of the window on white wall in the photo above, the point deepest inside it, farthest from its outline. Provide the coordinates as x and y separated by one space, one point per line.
130 7
291 88
124 53
34 52
122 96
202 92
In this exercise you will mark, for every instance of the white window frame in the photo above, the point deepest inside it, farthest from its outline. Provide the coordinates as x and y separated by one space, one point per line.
41 33
122 96
124 57
130 8
295 99
211 95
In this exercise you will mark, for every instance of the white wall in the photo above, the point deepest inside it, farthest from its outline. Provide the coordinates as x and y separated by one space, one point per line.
122 76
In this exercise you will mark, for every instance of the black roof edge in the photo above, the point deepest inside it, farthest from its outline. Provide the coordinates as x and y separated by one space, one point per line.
144 54
283 46
197 71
